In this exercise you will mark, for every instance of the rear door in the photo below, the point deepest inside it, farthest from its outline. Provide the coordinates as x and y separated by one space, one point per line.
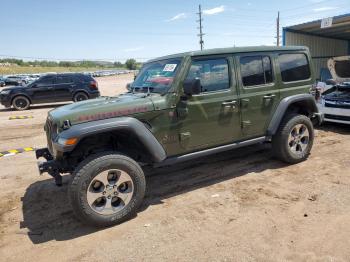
259 93
43 90
212 117
64 87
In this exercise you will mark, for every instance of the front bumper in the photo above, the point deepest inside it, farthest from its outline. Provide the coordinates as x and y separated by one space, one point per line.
5 100
336 115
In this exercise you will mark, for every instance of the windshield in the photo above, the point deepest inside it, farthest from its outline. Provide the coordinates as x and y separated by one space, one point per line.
156 77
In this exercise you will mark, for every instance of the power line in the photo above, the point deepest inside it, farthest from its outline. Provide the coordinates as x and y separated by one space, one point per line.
201 42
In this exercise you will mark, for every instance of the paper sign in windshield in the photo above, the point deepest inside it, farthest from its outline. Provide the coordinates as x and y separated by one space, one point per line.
169 67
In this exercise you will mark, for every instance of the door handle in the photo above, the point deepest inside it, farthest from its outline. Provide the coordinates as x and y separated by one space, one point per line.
50 87
229 103
269 96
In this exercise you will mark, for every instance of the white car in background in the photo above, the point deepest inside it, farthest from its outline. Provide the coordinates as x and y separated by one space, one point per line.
334 102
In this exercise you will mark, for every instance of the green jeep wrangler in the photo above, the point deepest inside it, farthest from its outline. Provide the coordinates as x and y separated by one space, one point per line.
179 107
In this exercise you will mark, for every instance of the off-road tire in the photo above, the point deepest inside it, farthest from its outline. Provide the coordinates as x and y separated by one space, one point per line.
85 174
80 96
20 103
280 141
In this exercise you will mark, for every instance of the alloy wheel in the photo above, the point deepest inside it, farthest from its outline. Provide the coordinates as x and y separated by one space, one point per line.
110 191
298 139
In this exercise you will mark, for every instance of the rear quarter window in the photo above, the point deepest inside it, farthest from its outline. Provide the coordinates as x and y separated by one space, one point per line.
294 67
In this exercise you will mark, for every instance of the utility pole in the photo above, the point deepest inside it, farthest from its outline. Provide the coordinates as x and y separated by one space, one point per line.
278 29
201 42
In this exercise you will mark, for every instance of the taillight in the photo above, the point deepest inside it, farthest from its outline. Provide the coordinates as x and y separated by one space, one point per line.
93 85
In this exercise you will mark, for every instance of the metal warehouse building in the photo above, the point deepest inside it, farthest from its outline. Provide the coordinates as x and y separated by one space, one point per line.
326 38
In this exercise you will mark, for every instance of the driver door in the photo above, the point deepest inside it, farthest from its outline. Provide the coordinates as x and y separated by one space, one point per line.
212 117
43 90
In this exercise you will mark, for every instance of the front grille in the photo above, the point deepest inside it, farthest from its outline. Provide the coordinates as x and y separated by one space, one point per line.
337 104
337 117
51 133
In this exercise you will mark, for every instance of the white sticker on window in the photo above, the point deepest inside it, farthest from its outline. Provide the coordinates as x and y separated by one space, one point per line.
169 67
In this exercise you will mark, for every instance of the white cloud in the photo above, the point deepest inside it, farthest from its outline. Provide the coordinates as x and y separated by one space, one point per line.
325 8
177 17
215 10
133 49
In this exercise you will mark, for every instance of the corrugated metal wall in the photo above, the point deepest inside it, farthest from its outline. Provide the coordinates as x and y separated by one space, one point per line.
321 48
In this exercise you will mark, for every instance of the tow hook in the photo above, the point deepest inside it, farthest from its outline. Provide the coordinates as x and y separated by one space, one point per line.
52 169
43 152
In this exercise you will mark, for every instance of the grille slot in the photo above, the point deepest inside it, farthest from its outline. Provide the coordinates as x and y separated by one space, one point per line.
51 132
337 117
337 104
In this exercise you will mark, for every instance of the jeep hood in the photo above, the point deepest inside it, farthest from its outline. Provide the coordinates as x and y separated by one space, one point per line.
102 108
340 68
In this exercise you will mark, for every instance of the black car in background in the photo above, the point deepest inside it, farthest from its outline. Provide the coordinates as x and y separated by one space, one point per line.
50 88
13 81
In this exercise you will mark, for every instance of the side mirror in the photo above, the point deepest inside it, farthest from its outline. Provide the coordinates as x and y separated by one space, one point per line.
331 82
192 86
128 86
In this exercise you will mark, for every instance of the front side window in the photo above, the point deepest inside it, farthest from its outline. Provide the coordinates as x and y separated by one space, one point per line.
157 76
294 67
46 80
256 70
213 74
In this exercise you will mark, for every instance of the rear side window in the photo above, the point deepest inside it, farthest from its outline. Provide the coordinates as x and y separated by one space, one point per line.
85 78
294 67
212 73
64 80
256 70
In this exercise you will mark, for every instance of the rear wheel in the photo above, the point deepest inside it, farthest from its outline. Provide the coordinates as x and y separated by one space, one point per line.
80 96
107 189
294 139
21 103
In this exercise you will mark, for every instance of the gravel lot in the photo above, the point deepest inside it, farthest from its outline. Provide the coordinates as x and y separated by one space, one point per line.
236 206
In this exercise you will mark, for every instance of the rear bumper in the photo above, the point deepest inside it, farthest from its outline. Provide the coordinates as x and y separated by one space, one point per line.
94 94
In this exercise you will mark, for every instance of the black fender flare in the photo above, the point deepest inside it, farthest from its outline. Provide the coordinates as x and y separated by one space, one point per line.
129 124
307 99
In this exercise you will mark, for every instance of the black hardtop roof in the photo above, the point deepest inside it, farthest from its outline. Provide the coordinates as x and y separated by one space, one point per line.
217 51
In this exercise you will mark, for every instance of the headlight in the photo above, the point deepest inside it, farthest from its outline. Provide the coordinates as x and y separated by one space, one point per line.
5 92
67 141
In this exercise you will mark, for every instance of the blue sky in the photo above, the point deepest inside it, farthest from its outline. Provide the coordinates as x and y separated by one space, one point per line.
117 30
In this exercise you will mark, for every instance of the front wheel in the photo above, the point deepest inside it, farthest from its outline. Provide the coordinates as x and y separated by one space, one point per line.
294 139
20 103
107 189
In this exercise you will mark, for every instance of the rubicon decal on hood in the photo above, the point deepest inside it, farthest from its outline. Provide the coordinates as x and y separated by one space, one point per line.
104 115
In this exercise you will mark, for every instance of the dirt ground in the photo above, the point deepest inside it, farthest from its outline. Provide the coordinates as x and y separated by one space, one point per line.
240 205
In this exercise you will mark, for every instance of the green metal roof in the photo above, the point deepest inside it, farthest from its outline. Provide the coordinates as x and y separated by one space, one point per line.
340 28
232 50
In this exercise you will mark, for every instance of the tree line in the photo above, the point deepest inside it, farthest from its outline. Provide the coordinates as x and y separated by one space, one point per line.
130 64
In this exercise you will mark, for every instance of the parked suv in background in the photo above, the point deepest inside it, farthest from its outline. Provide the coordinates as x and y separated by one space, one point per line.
50 88
180 107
